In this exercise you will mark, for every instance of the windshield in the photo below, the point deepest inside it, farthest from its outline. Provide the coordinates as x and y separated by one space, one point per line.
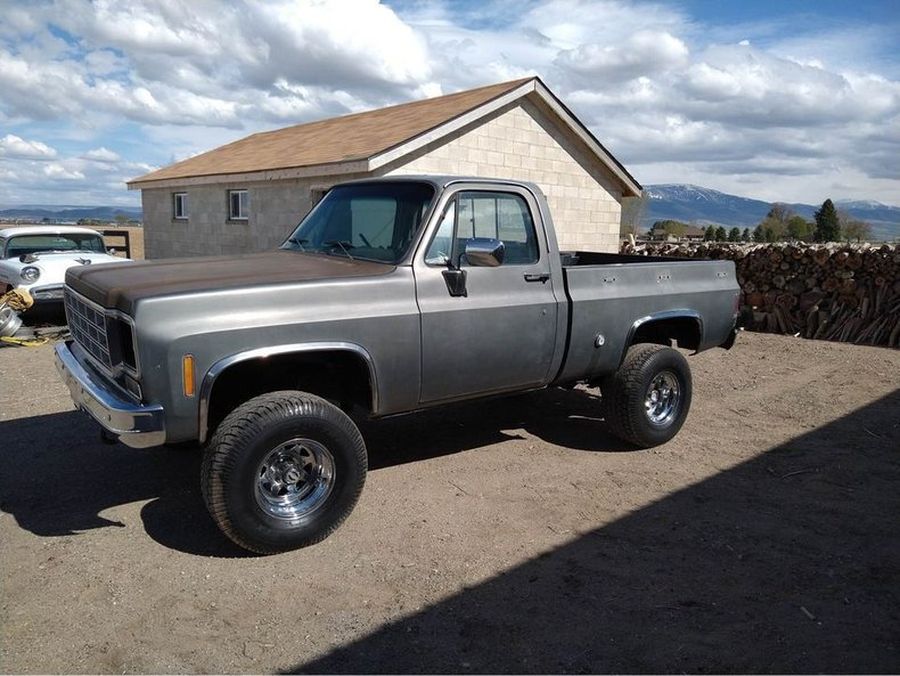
20 245
375 221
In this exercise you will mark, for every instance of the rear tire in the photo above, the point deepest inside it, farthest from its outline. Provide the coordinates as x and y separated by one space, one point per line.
647 400
283 471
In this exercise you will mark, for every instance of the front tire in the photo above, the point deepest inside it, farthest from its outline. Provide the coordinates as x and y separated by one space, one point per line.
647 400
283 471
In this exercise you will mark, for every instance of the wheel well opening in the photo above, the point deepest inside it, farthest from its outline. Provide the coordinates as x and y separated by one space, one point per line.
684 331
340 377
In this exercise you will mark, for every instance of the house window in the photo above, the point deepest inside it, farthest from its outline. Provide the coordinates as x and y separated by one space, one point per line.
238 205
180 205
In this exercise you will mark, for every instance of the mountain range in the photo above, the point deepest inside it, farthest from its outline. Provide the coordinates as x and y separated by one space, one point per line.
704 206
64 212
681 202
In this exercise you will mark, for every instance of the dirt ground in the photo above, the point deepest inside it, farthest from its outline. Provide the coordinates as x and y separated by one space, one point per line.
512 535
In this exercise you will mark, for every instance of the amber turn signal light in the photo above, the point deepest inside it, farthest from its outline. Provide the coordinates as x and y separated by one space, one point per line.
187 375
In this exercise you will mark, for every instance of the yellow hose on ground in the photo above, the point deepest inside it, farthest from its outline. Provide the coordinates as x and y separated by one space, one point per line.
25 342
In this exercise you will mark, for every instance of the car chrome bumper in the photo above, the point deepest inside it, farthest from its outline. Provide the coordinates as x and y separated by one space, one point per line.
47 294
136 425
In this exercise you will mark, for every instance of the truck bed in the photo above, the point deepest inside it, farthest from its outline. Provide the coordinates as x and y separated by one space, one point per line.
611 295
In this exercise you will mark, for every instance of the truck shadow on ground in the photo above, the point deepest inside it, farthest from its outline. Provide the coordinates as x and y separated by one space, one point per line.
787 563
57 478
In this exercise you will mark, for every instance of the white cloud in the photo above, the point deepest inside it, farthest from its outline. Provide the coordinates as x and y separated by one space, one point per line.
640 54
657 86
17 147
101 154
57 171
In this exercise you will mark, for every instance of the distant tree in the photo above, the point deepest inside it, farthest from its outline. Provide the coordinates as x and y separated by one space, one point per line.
780 212
121 219
828 227
734 235
633 209
799 228
776 221
759 235
709 234
853 228
746 236
674 228
721 234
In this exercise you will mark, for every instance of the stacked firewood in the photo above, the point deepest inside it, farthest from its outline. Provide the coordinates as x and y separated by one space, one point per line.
842 292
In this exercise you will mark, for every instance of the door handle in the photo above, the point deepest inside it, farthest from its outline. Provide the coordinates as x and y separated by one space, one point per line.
542 277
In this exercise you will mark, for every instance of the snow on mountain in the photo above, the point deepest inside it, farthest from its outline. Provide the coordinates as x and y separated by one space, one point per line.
703 206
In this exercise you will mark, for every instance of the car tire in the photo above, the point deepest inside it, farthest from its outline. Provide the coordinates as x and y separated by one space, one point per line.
647 400
283 471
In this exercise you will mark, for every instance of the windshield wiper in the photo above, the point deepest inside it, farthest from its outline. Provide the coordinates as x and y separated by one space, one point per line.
299 241
344 244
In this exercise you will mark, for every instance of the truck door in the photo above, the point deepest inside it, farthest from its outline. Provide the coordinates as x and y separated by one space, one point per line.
501 334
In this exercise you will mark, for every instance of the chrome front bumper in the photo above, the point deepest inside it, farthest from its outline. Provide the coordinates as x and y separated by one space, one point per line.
136 425
47 294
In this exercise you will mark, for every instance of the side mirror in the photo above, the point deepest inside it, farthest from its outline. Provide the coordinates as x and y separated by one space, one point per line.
111 251
485 252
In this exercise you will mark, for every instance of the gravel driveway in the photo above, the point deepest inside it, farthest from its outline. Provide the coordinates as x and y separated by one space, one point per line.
509 535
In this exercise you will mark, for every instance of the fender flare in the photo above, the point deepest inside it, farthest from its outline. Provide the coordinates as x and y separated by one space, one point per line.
682 313
222 365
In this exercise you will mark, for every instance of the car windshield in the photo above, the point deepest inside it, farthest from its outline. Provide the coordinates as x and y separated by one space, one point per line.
22 245
375 221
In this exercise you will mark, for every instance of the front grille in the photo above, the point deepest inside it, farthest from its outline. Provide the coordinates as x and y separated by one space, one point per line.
87 325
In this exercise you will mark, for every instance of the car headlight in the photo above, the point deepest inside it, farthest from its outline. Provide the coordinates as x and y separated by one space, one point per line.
30 273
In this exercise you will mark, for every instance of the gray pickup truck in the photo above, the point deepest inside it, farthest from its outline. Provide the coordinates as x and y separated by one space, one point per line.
391 296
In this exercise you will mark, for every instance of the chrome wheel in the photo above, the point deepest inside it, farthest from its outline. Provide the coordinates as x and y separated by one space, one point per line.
663 398
295 479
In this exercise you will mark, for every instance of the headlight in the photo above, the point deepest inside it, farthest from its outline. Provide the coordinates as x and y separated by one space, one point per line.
30 273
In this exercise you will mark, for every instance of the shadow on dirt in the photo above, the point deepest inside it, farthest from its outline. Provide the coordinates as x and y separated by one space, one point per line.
789 562
568 418
57 477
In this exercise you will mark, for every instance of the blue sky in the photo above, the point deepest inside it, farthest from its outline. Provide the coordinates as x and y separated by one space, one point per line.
773 100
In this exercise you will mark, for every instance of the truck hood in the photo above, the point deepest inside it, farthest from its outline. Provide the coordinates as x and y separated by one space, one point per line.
122 286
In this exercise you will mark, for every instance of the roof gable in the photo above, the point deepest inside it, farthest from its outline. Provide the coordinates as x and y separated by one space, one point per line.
339 139
362 142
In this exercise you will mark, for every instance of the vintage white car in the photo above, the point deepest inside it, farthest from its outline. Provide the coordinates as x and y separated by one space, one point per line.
36 258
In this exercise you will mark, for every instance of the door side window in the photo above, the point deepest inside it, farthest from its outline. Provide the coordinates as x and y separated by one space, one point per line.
498 215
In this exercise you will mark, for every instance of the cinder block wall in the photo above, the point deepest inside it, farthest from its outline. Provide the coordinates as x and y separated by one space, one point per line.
275 209
521 143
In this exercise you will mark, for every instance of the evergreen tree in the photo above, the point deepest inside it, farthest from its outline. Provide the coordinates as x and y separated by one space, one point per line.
799 228
721 235
734 235
758 234
745 236
709 234
828 227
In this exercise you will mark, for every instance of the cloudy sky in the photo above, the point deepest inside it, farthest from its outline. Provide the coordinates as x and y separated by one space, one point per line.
773 100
